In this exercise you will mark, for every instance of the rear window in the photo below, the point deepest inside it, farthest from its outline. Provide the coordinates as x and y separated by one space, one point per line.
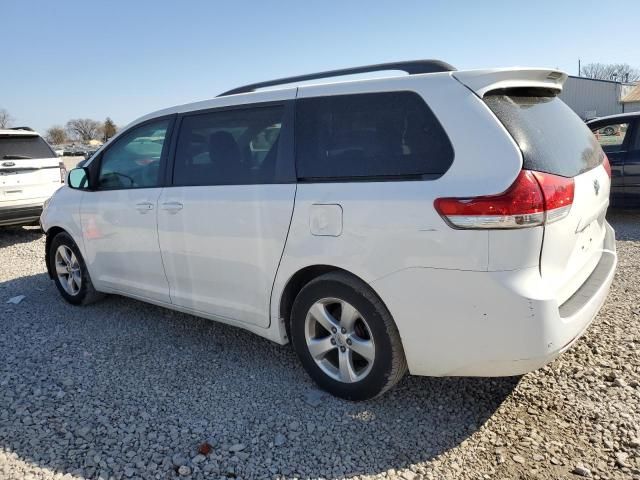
24 147
369 136
553 139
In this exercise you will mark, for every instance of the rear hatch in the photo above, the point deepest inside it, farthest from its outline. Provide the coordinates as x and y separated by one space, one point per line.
29 169
554 140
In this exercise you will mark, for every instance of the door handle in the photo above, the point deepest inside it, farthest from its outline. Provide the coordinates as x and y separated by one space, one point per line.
172 207
144 207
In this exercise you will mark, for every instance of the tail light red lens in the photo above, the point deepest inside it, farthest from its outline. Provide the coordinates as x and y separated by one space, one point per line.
533 199
607 165
558 195
63 172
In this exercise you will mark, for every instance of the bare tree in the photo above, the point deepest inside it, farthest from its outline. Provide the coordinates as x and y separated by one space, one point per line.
56 135
83 129
621 72
5 119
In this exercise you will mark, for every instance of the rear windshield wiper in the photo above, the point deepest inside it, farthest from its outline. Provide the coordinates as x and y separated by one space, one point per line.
16 157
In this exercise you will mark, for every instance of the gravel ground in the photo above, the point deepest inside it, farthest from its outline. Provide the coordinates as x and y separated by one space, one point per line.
121 389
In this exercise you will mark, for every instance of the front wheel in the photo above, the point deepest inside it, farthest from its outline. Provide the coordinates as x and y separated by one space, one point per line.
346 338
70 272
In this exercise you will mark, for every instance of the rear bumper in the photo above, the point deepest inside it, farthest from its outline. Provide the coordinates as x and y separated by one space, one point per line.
464 323
20 214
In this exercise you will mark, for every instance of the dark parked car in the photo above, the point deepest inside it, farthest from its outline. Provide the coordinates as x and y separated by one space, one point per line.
619 136
73 151
89 153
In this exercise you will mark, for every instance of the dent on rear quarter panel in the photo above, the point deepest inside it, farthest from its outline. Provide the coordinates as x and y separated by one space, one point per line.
449 319
515 249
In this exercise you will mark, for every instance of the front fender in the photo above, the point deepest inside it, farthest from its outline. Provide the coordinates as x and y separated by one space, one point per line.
62 214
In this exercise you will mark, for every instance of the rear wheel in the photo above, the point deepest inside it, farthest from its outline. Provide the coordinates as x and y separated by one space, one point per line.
70 272
608 131
346 338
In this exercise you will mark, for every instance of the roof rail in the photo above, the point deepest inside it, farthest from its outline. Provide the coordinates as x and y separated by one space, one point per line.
413 67
29 129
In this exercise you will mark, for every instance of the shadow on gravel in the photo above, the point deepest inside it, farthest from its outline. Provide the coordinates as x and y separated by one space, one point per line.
15 235
121 388
626 223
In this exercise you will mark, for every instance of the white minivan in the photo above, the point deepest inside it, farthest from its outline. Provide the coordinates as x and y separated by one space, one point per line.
442 222
30 172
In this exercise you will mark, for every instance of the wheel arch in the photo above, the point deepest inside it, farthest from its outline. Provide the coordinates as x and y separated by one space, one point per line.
302 277
50 235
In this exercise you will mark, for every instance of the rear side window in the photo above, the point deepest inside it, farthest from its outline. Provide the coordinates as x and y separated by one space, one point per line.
24 147
229 147
552 138
369 136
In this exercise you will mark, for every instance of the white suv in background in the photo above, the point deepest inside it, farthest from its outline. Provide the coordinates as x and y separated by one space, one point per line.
30 172
445 222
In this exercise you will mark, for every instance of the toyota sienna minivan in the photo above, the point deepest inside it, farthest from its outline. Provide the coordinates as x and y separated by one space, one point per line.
440 222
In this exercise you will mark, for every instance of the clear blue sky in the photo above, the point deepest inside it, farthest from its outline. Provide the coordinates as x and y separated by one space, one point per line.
69 59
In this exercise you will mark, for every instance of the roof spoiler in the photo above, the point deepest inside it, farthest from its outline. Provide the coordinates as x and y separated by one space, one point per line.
484 81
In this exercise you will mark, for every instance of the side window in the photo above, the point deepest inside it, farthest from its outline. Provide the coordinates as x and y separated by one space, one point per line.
229 147
369 136
611 137
133 161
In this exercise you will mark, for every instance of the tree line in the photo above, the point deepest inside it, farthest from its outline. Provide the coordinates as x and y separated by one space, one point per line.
76 129
83 130
620 72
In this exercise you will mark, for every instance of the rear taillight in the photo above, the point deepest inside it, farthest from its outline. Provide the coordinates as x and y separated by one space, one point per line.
63 172
533 199
607 165
558 195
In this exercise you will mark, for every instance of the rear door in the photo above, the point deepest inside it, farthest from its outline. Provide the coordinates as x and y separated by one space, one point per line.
553 139
614 139
224 220
29 169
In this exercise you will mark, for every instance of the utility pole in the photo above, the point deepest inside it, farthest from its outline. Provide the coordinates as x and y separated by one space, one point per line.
579 69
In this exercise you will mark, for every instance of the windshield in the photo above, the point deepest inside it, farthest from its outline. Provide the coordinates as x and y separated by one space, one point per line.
552 138
24 147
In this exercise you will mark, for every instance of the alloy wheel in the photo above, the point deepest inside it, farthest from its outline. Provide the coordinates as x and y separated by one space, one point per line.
339 340
68 270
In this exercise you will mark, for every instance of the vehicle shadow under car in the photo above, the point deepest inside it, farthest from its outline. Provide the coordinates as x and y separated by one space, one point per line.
621 220
132 385
13 235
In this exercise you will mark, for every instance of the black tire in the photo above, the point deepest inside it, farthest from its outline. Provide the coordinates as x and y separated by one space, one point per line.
608 131
389 364
86 294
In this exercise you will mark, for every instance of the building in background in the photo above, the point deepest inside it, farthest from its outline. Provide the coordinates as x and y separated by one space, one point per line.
591 98
631 100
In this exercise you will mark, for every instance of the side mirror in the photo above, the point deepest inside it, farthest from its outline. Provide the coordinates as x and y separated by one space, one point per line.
78 179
